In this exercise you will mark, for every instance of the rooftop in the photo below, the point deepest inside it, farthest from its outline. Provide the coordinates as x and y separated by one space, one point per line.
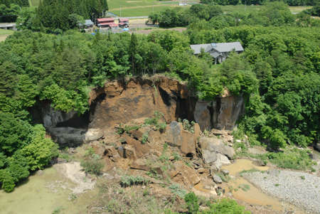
105 20
220 47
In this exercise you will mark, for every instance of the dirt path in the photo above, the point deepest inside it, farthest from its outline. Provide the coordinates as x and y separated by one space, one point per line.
135 7
3 37
73 171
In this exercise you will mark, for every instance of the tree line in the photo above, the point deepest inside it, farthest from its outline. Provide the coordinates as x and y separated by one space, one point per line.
211 16
9 13
260 2
53 16
21 3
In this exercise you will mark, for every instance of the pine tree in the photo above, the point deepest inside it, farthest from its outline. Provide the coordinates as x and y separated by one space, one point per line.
133 50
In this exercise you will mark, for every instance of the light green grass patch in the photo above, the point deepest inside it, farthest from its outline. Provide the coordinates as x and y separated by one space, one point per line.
6 32
298 9
34 3
143 11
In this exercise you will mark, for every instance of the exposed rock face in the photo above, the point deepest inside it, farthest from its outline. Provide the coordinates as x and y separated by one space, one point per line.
220 114
120 103
202 115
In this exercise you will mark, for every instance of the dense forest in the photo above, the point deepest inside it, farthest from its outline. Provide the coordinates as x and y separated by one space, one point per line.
53 16
21 3
9 13
278 74
272 14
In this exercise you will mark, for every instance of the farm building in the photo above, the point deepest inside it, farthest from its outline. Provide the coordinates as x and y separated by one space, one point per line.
219 51
123 22
106 22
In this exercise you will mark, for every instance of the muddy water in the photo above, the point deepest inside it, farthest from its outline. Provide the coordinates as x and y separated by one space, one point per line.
43 194
252 195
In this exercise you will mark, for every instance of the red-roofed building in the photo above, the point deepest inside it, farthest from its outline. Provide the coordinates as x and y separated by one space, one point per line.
123 22
106 22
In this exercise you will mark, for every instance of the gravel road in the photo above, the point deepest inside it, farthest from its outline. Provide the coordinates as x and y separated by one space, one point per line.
299 188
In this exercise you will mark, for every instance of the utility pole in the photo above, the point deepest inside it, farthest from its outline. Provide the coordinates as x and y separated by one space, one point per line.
245 6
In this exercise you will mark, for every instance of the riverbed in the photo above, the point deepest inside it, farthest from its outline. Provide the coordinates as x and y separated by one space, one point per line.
243 190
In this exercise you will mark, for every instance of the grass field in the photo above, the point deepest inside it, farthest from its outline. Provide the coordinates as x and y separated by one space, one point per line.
298 9
34 3
4 34
145 7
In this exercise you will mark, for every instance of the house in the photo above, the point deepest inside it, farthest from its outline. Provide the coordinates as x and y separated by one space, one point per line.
123 22
219 51
87 24
106 22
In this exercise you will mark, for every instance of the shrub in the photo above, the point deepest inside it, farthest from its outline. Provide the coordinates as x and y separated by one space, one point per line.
227 206
92 165
145 137
177 190
129 180
192 202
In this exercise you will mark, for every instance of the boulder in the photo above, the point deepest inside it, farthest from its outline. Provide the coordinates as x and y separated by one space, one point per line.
225 172
221 160
216 145
217 179
197 131
209 157
140 164
140 149
99 149
127 151
259 163
137 134
93 134
173 133
183 174
186 141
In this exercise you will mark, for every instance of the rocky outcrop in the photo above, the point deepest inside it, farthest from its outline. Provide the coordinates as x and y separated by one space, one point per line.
120 102
221 113
215 152
183 139
184 175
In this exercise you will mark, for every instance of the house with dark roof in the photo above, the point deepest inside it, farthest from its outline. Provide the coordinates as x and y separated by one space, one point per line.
87 24
219 51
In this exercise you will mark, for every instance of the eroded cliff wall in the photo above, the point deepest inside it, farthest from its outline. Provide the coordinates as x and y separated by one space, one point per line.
120 102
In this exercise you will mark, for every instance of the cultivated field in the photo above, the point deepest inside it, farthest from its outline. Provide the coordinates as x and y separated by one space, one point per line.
142 7
128 8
